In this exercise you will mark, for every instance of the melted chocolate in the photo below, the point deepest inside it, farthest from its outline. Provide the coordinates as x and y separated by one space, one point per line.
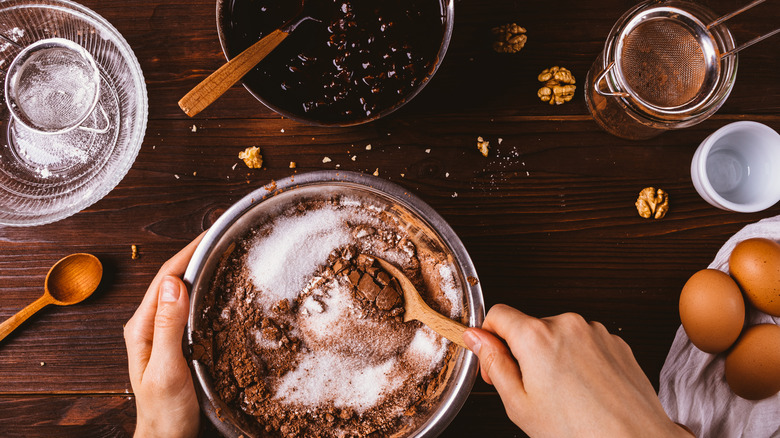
363 58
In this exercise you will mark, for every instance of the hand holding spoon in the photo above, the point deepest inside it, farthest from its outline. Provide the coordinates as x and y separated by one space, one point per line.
70 281
416 309
217 83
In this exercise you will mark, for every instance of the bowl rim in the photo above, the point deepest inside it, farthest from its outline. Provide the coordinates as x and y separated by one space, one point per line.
448 16
468 364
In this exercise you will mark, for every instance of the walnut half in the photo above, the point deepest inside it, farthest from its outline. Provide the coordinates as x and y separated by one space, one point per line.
558 85
510 38
652 204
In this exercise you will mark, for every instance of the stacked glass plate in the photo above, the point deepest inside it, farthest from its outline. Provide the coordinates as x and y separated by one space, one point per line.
47 176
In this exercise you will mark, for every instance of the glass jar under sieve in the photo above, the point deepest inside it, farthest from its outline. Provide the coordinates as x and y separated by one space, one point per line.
665 65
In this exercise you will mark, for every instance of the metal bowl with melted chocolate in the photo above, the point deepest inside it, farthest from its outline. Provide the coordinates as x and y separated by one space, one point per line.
361 61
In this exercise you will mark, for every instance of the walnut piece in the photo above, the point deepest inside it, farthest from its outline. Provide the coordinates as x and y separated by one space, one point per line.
510 38
558 85
252 157
652 204
483 145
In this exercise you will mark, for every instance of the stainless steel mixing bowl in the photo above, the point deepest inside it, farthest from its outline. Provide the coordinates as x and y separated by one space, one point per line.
425 226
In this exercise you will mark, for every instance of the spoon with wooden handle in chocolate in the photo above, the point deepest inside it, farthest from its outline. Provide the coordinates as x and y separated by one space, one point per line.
217 83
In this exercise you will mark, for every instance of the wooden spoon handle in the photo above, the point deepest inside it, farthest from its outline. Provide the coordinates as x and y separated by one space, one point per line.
10 324
214 86
444 326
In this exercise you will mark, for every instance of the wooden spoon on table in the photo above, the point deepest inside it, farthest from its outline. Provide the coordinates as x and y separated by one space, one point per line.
217 83
71 280
416 309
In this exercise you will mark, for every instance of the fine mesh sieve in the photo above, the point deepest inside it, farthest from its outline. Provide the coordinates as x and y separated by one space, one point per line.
52 86
664 64
668 63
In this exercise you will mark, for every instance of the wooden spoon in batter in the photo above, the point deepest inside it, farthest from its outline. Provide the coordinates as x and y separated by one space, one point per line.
416 309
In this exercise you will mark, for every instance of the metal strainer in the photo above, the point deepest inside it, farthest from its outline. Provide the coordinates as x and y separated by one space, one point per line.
668 62
53 85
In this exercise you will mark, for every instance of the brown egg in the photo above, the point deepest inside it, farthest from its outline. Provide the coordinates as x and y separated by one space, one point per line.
755 264
753 365
712 310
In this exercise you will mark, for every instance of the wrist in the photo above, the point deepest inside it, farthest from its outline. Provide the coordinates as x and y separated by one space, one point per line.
144 430
147 428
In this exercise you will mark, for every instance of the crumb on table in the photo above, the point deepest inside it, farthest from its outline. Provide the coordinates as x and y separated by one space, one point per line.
252 157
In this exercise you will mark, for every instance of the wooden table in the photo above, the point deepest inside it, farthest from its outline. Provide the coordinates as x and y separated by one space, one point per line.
548 217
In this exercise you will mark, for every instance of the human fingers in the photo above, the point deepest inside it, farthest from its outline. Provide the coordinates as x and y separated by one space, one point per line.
139 330
497 365
169 321
514 327
138 340
498 368
176 266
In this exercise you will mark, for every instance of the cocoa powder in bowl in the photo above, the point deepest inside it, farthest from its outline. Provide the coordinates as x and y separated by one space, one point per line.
295 340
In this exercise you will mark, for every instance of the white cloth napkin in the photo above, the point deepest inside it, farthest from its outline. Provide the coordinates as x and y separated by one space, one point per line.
693 387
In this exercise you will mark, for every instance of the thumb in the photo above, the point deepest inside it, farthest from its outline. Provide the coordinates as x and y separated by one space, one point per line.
496 363
170 320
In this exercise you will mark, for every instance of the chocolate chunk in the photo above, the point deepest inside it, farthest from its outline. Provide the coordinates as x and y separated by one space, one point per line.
383 278
372 271
339 266
388 298
364 261
354 277
368 288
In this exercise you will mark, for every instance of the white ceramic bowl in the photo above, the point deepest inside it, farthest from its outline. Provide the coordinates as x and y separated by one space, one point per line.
737 167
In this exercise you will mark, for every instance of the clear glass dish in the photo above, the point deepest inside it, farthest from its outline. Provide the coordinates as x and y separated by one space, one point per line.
45 177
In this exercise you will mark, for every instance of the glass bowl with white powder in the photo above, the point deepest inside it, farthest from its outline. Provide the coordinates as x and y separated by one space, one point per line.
47 175
284 338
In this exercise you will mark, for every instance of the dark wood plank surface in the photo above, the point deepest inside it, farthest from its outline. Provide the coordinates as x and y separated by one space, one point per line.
548 217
